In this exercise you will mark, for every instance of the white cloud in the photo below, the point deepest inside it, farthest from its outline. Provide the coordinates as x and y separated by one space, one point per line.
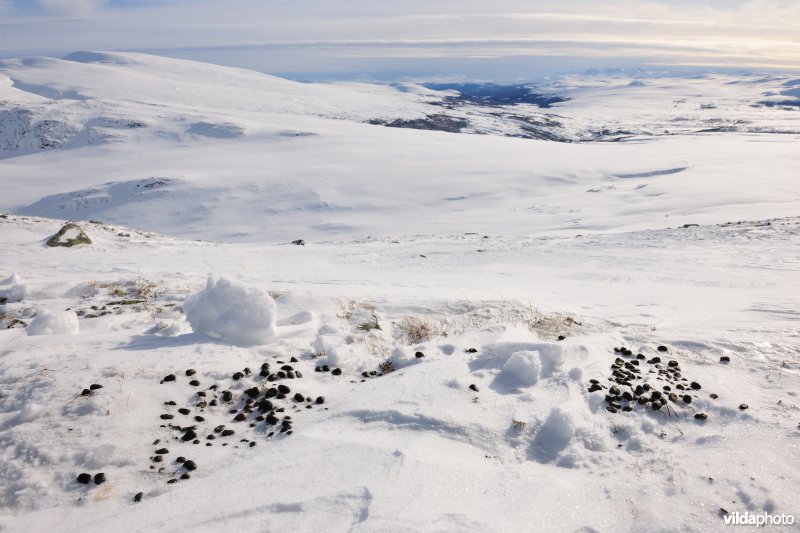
276 35
70 7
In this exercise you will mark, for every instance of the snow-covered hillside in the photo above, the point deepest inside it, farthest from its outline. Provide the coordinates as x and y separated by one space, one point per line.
471 332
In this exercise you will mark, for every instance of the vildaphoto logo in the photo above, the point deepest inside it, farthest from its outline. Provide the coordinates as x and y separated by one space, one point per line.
758 519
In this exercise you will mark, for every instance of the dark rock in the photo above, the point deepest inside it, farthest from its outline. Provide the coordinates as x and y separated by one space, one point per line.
614 391
191 372
640 356
86 392
194 383
701 416
184 411
157 459
166 416
287 368
167 378
237 376
713 396
419 355
185 475
189 435
326 368
299 242
474 387
744 406
227 432
611 409
595 387
687 399
299 397
627 396
199 419
471 350
654 360
283 389
271 393
95 386
180 459
162 451
724 359
252 392
561 338
84 478
695 385
663 349
138 497
320 400
298 374
673 363
272 420
281 374
99 478
241 417
190 465
265 405
673 397
227 396
290 374
171 481
219 428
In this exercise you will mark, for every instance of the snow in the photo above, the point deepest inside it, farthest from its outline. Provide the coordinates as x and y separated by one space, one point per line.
477 252
51 322
12 289
232 312
521 370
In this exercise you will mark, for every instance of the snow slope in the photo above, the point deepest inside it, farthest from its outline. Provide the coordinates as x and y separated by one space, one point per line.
444 266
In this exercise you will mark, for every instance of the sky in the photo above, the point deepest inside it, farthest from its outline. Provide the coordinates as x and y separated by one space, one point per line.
386 39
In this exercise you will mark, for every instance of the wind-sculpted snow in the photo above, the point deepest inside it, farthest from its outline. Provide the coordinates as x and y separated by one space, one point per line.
428 375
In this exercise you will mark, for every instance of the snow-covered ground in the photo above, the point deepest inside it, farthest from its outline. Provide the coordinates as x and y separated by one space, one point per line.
454 298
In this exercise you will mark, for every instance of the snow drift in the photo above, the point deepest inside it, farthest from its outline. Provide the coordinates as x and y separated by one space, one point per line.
49 322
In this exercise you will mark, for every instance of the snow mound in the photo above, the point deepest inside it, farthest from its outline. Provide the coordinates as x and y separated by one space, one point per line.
232 312
554 437
12 289
54 323
521 370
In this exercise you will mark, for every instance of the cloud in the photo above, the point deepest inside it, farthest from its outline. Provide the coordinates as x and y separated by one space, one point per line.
70 7
353 35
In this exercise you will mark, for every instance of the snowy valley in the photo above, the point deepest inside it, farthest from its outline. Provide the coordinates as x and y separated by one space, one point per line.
570 306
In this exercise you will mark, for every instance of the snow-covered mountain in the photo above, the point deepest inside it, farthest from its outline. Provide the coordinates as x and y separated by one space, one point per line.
473 303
